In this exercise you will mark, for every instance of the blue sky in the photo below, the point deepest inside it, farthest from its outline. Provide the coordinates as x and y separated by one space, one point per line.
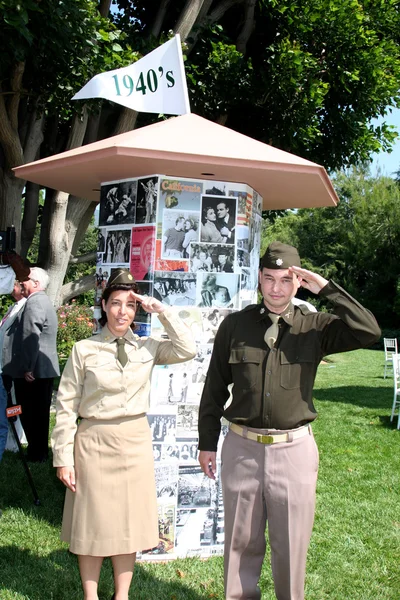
388 163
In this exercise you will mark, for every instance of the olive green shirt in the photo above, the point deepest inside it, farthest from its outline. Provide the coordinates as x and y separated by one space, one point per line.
272 389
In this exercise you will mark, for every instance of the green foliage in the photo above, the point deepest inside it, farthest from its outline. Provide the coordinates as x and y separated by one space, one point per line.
75 322
62 56
356 243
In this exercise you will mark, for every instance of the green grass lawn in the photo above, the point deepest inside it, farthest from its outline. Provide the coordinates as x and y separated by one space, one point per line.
355 547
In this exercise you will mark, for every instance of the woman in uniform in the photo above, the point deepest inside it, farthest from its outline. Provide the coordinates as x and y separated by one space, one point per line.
106 462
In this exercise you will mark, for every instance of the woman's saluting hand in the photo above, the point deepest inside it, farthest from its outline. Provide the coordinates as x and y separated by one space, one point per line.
150 304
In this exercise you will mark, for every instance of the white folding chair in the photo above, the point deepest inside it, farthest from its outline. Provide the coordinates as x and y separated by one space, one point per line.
396 379
390 345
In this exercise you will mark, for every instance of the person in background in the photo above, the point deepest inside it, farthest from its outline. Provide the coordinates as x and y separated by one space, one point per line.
270 352
30 359
13 268
225 222
106 462
190 236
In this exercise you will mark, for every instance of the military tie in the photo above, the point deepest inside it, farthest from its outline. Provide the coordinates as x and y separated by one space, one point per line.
121 353
271 335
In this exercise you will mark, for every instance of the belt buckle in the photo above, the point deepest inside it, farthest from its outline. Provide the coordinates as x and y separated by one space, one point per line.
265 439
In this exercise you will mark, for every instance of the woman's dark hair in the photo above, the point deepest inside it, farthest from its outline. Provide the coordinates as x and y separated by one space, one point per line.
120 287
204 214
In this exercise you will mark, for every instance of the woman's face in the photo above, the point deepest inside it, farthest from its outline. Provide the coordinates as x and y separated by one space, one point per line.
188 225
211 216
120 310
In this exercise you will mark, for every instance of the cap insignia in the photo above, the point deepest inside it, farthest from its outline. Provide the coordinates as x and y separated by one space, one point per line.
279 262
130 277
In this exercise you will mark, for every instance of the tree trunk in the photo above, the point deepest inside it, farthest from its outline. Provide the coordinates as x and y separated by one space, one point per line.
158 21
126 121
10 201
188 18
66 214
29 220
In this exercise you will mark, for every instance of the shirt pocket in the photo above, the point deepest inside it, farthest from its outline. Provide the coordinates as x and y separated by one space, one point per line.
297 367
100 373
245 366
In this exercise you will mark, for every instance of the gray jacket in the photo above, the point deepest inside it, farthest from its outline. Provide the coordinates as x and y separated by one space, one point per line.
30 344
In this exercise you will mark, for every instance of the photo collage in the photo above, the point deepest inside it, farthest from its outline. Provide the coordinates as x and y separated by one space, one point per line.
194 245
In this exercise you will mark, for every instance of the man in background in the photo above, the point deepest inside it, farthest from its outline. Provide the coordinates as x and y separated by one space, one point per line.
12 268
173 239
30 358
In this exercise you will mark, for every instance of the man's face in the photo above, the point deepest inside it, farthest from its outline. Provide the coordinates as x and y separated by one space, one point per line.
222 211
180 224
17 291
202 256
29 286
278 287
222 259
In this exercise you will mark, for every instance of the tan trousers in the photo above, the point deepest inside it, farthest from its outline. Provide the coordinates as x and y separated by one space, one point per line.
274 483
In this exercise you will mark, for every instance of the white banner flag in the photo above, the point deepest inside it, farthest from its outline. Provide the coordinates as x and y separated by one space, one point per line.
156 83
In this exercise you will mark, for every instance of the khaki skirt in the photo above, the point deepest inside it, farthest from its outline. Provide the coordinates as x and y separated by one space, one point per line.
114 508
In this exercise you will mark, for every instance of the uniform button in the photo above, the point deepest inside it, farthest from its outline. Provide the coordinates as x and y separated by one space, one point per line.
268 394
243 358
269 372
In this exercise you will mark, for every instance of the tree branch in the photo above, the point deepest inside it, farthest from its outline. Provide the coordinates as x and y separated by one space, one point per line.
16 84
248 26
75 288
88 257
158 21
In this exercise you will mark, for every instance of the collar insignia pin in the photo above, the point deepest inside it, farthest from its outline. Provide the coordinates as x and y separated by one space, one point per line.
262 311
288 314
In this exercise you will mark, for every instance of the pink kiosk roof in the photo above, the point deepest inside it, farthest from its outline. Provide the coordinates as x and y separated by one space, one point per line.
192 147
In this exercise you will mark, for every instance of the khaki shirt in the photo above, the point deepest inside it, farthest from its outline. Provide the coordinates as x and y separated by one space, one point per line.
272 389
95 386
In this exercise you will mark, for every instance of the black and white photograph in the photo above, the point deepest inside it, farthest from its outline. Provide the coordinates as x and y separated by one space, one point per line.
118 244
188 450
257 203
171 384
157 450
166 532
242 258
166 476
192 317
212 258
101 240
118 203
163 427
212 319
101 278
179 229
241 195
242 237
218 219
99 258
195 489
215 188
146 204
175 288
220 290
170 453
186 420
146 289
255 225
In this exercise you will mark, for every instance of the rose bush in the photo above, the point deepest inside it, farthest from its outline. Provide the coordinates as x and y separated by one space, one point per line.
75 322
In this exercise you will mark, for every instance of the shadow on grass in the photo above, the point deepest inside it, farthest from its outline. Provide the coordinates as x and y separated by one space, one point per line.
15 491
364 396
56 577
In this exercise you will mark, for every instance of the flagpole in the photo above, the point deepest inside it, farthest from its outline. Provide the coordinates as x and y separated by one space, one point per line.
183 74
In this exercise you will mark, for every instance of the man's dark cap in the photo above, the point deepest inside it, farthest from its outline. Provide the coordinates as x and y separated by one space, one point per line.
280 256
121 277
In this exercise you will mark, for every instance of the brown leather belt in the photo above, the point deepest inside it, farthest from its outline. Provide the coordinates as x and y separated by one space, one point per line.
270 439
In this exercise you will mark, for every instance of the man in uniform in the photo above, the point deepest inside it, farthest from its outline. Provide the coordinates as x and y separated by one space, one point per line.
270 352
